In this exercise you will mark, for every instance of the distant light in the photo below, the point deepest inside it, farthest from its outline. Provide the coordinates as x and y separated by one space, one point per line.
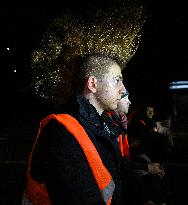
174 87
8 49
178 85
179 82
15 71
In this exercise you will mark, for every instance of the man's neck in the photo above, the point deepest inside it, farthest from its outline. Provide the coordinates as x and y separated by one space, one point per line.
93 101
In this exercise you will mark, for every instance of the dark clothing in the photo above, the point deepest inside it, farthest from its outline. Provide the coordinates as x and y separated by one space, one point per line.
152 143
59 162
119 127
145 186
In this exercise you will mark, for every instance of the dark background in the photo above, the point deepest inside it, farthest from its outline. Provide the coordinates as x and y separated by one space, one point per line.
160 59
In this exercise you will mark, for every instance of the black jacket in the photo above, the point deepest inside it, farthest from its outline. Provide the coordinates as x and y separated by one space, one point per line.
59 162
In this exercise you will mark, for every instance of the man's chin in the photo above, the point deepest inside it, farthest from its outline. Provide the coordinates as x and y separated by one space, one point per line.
113 107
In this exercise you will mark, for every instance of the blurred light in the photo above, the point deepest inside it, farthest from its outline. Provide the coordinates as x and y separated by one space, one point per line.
8 49
178 85
174 87
14 71
178 82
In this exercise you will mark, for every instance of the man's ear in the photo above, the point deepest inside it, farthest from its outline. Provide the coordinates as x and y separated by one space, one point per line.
92 84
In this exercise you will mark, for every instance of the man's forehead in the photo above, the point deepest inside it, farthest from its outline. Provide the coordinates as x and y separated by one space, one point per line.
150 108
115 71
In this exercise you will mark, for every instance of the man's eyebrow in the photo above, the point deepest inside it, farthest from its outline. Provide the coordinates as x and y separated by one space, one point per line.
120 77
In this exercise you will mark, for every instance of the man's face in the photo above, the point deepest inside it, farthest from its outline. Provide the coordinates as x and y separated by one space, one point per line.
123 105
110 88
149 112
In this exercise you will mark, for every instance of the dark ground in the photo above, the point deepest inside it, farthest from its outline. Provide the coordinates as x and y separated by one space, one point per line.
15 144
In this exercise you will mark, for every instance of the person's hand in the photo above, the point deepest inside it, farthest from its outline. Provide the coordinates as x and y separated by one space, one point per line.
155 129
156 168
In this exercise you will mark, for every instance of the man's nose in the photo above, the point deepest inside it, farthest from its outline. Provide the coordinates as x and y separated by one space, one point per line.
122 88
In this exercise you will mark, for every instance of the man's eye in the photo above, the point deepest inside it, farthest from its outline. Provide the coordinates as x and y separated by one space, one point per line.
118 80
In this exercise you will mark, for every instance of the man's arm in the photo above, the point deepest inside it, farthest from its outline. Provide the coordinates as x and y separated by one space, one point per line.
152 168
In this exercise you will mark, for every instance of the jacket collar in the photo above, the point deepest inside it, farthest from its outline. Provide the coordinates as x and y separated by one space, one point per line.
80 107
100 126
88 111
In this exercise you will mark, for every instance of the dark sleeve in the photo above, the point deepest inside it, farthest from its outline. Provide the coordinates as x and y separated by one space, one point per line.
132 165
60 163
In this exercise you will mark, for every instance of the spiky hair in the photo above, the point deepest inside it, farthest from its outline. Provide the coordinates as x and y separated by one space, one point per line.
115 33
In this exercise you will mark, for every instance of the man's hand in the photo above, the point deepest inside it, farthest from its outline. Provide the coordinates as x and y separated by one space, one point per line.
156 168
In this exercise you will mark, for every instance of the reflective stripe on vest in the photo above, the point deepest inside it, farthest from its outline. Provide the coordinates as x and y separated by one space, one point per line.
37 194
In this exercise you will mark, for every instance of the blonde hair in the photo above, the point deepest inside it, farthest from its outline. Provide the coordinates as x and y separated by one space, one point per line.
112 36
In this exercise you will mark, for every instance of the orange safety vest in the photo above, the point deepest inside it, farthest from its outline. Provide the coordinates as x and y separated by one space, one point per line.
36 193
124 146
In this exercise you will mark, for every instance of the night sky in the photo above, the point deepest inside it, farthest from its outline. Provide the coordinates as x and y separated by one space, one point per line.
160 59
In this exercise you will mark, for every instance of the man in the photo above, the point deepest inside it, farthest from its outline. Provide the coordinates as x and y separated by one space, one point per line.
148 175
151 134
162 127
57 159
122 109
75 159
